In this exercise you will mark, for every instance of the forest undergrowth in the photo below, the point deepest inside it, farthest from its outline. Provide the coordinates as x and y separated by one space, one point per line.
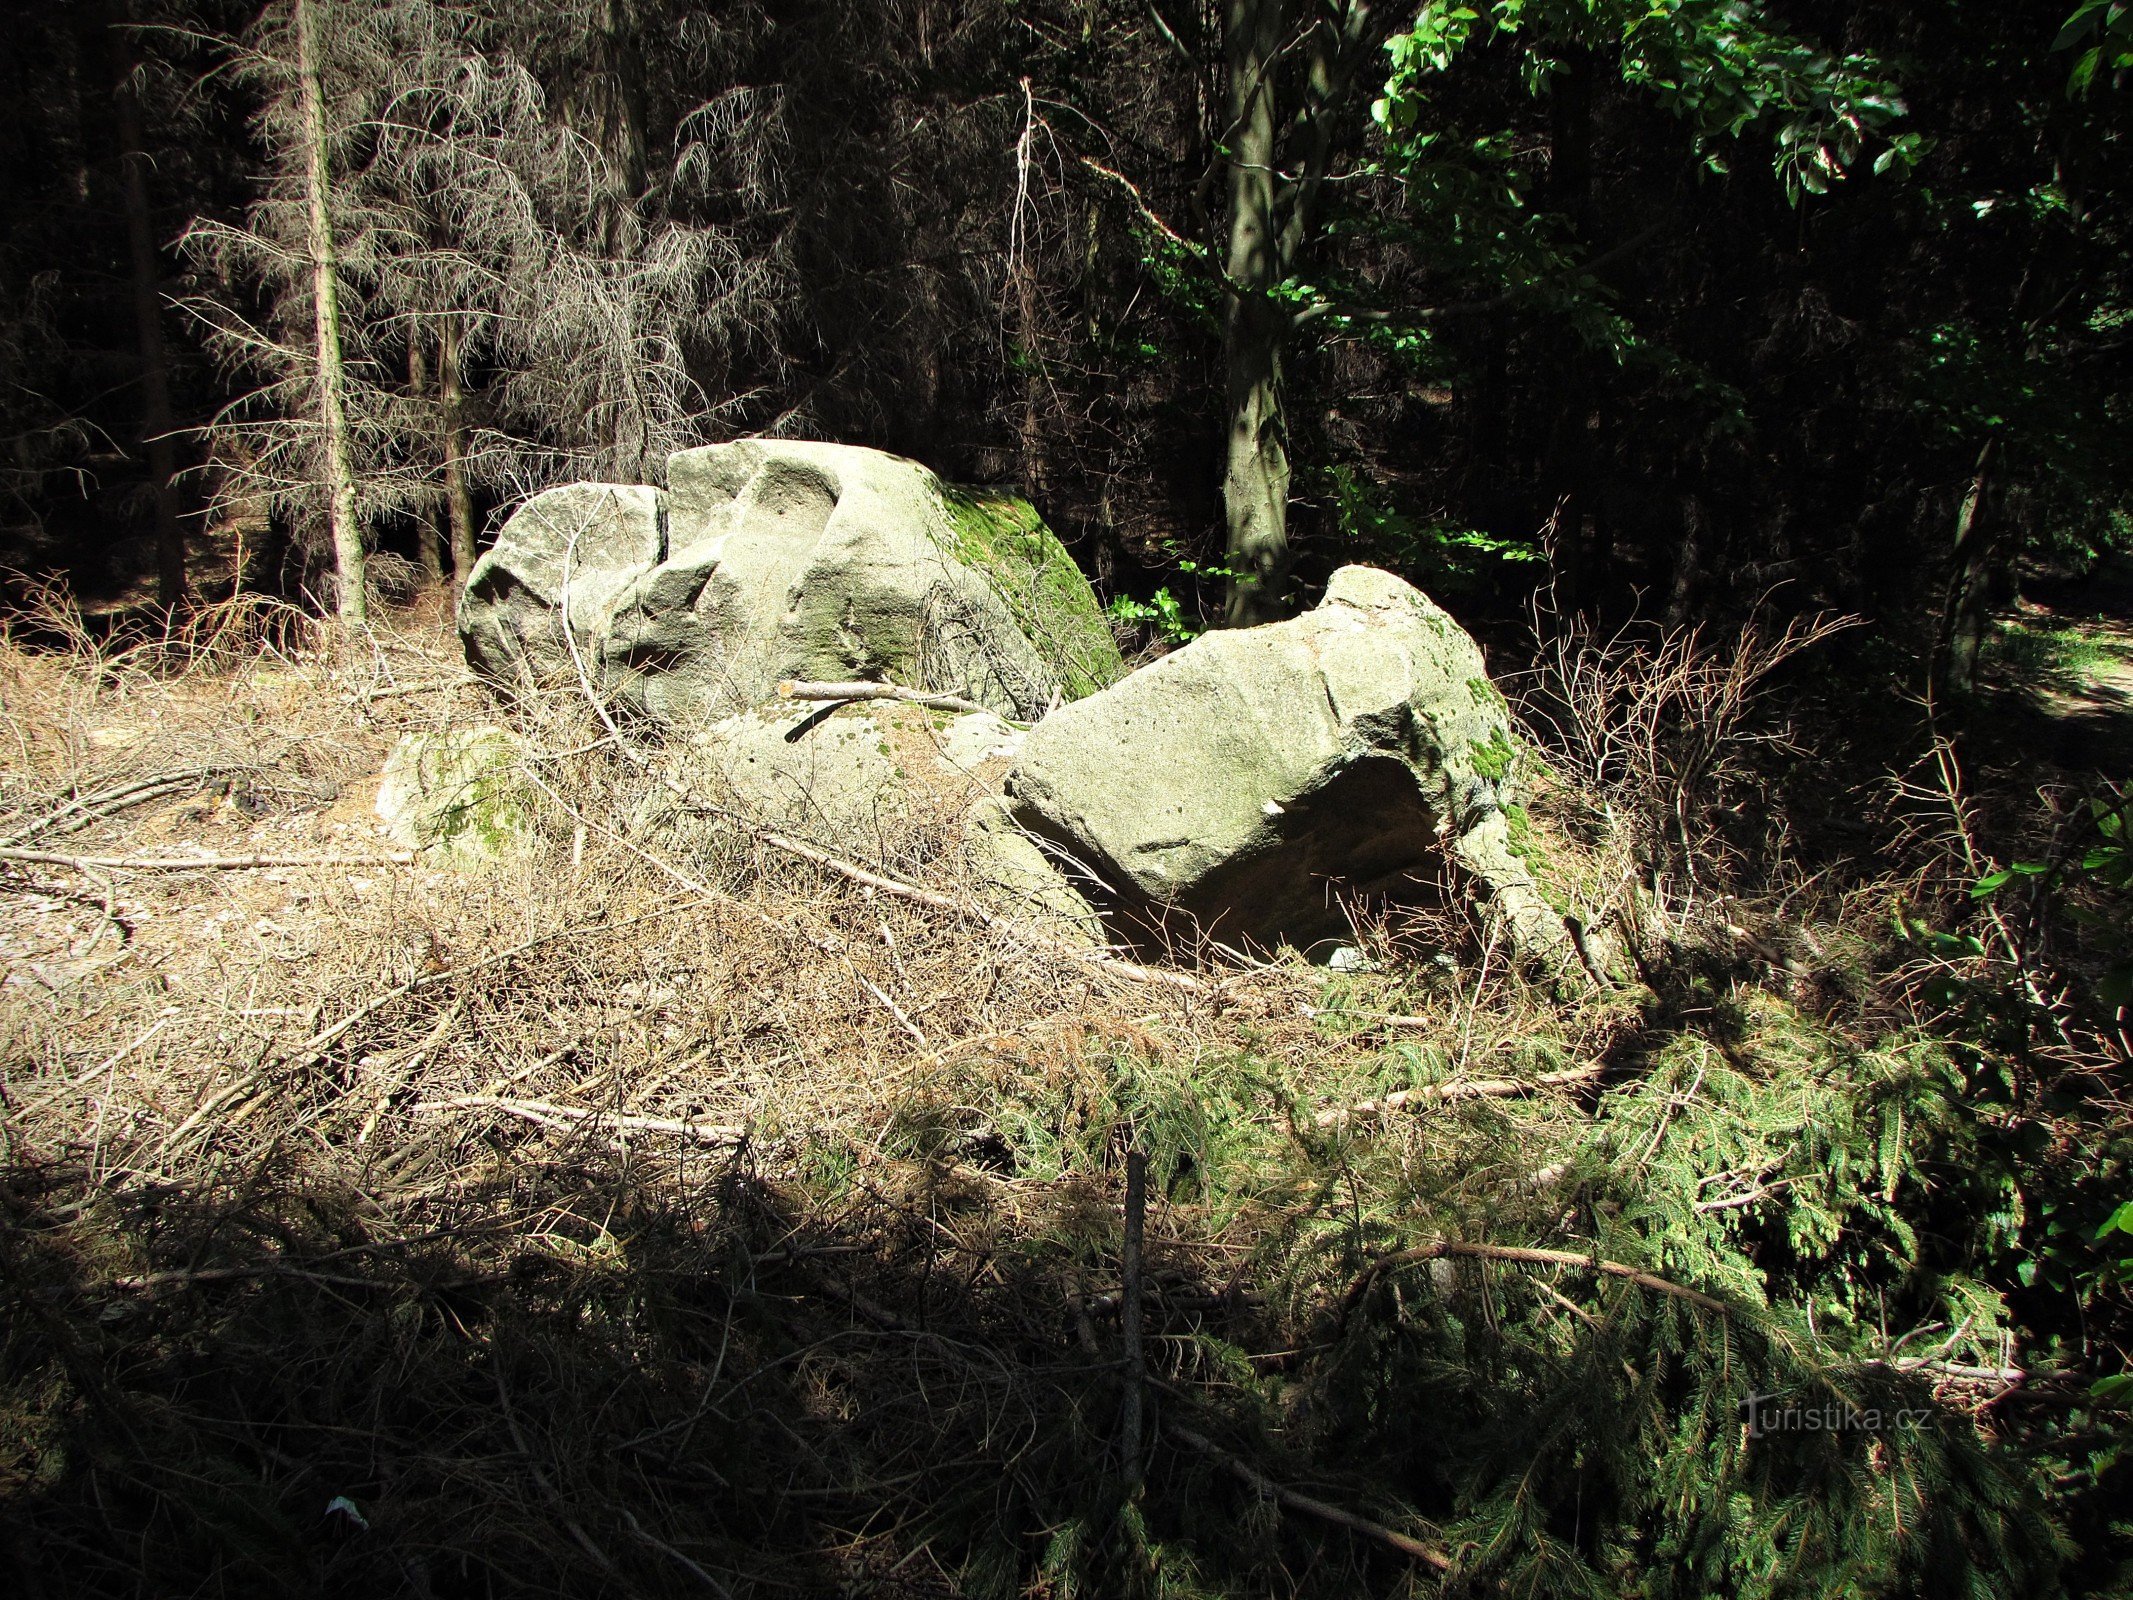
617 1219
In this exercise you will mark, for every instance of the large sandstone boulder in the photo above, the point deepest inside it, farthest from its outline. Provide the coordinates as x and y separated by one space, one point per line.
769 559
1255 776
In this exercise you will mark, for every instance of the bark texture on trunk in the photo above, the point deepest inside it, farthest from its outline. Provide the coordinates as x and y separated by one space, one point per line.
429 537
346 530
1255 479
144 261
1965 604
458 493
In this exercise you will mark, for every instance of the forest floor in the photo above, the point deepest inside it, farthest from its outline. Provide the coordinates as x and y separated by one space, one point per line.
628 1216
2066 659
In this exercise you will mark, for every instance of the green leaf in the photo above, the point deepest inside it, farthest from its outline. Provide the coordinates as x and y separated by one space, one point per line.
2113 1389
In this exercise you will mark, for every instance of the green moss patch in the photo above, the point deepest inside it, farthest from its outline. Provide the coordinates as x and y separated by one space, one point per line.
459 794
1493 761
1002 536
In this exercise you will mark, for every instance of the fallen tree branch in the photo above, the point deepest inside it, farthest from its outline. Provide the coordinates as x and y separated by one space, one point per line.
85 809
1521 1255
1295 1500
53 858
1457 1089
549 1114
1957 1369
1382 1019
395 690
796 689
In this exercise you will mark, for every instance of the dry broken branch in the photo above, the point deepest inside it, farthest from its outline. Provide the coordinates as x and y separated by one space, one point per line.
1391 1538
53 858
1440 1249
85 809
550 1114
795 689
1457 1089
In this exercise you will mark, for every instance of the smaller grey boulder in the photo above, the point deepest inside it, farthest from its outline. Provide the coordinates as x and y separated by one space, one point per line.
1257 776
459 796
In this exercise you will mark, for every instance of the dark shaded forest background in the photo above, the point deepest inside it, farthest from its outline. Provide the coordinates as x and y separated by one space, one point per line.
981 234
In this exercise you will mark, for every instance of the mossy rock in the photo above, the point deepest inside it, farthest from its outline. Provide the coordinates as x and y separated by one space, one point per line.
459 794
1245 778
1002 536
772 559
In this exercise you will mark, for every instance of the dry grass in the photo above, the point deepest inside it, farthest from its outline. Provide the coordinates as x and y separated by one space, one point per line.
587 1230
662 1209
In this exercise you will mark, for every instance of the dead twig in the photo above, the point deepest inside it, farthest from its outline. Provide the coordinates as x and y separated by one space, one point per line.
797 689
395 690
1295 1500
85 809
550 1114
53 858
1457 1089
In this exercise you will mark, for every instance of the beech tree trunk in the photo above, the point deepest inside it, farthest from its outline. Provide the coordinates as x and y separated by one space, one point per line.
342 523
1255 480
157 424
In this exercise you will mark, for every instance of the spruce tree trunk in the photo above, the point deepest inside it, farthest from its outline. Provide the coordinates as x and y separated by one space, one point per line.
1255 481
458 495
1964 604
621 132
346 531
428 536
157 423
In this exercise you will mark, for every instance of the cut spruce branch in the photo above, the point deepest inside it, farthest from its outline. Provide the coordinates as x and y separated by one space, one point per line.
552 1115
54 858
1519 1255
1295 1500
796 689
1458 1089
